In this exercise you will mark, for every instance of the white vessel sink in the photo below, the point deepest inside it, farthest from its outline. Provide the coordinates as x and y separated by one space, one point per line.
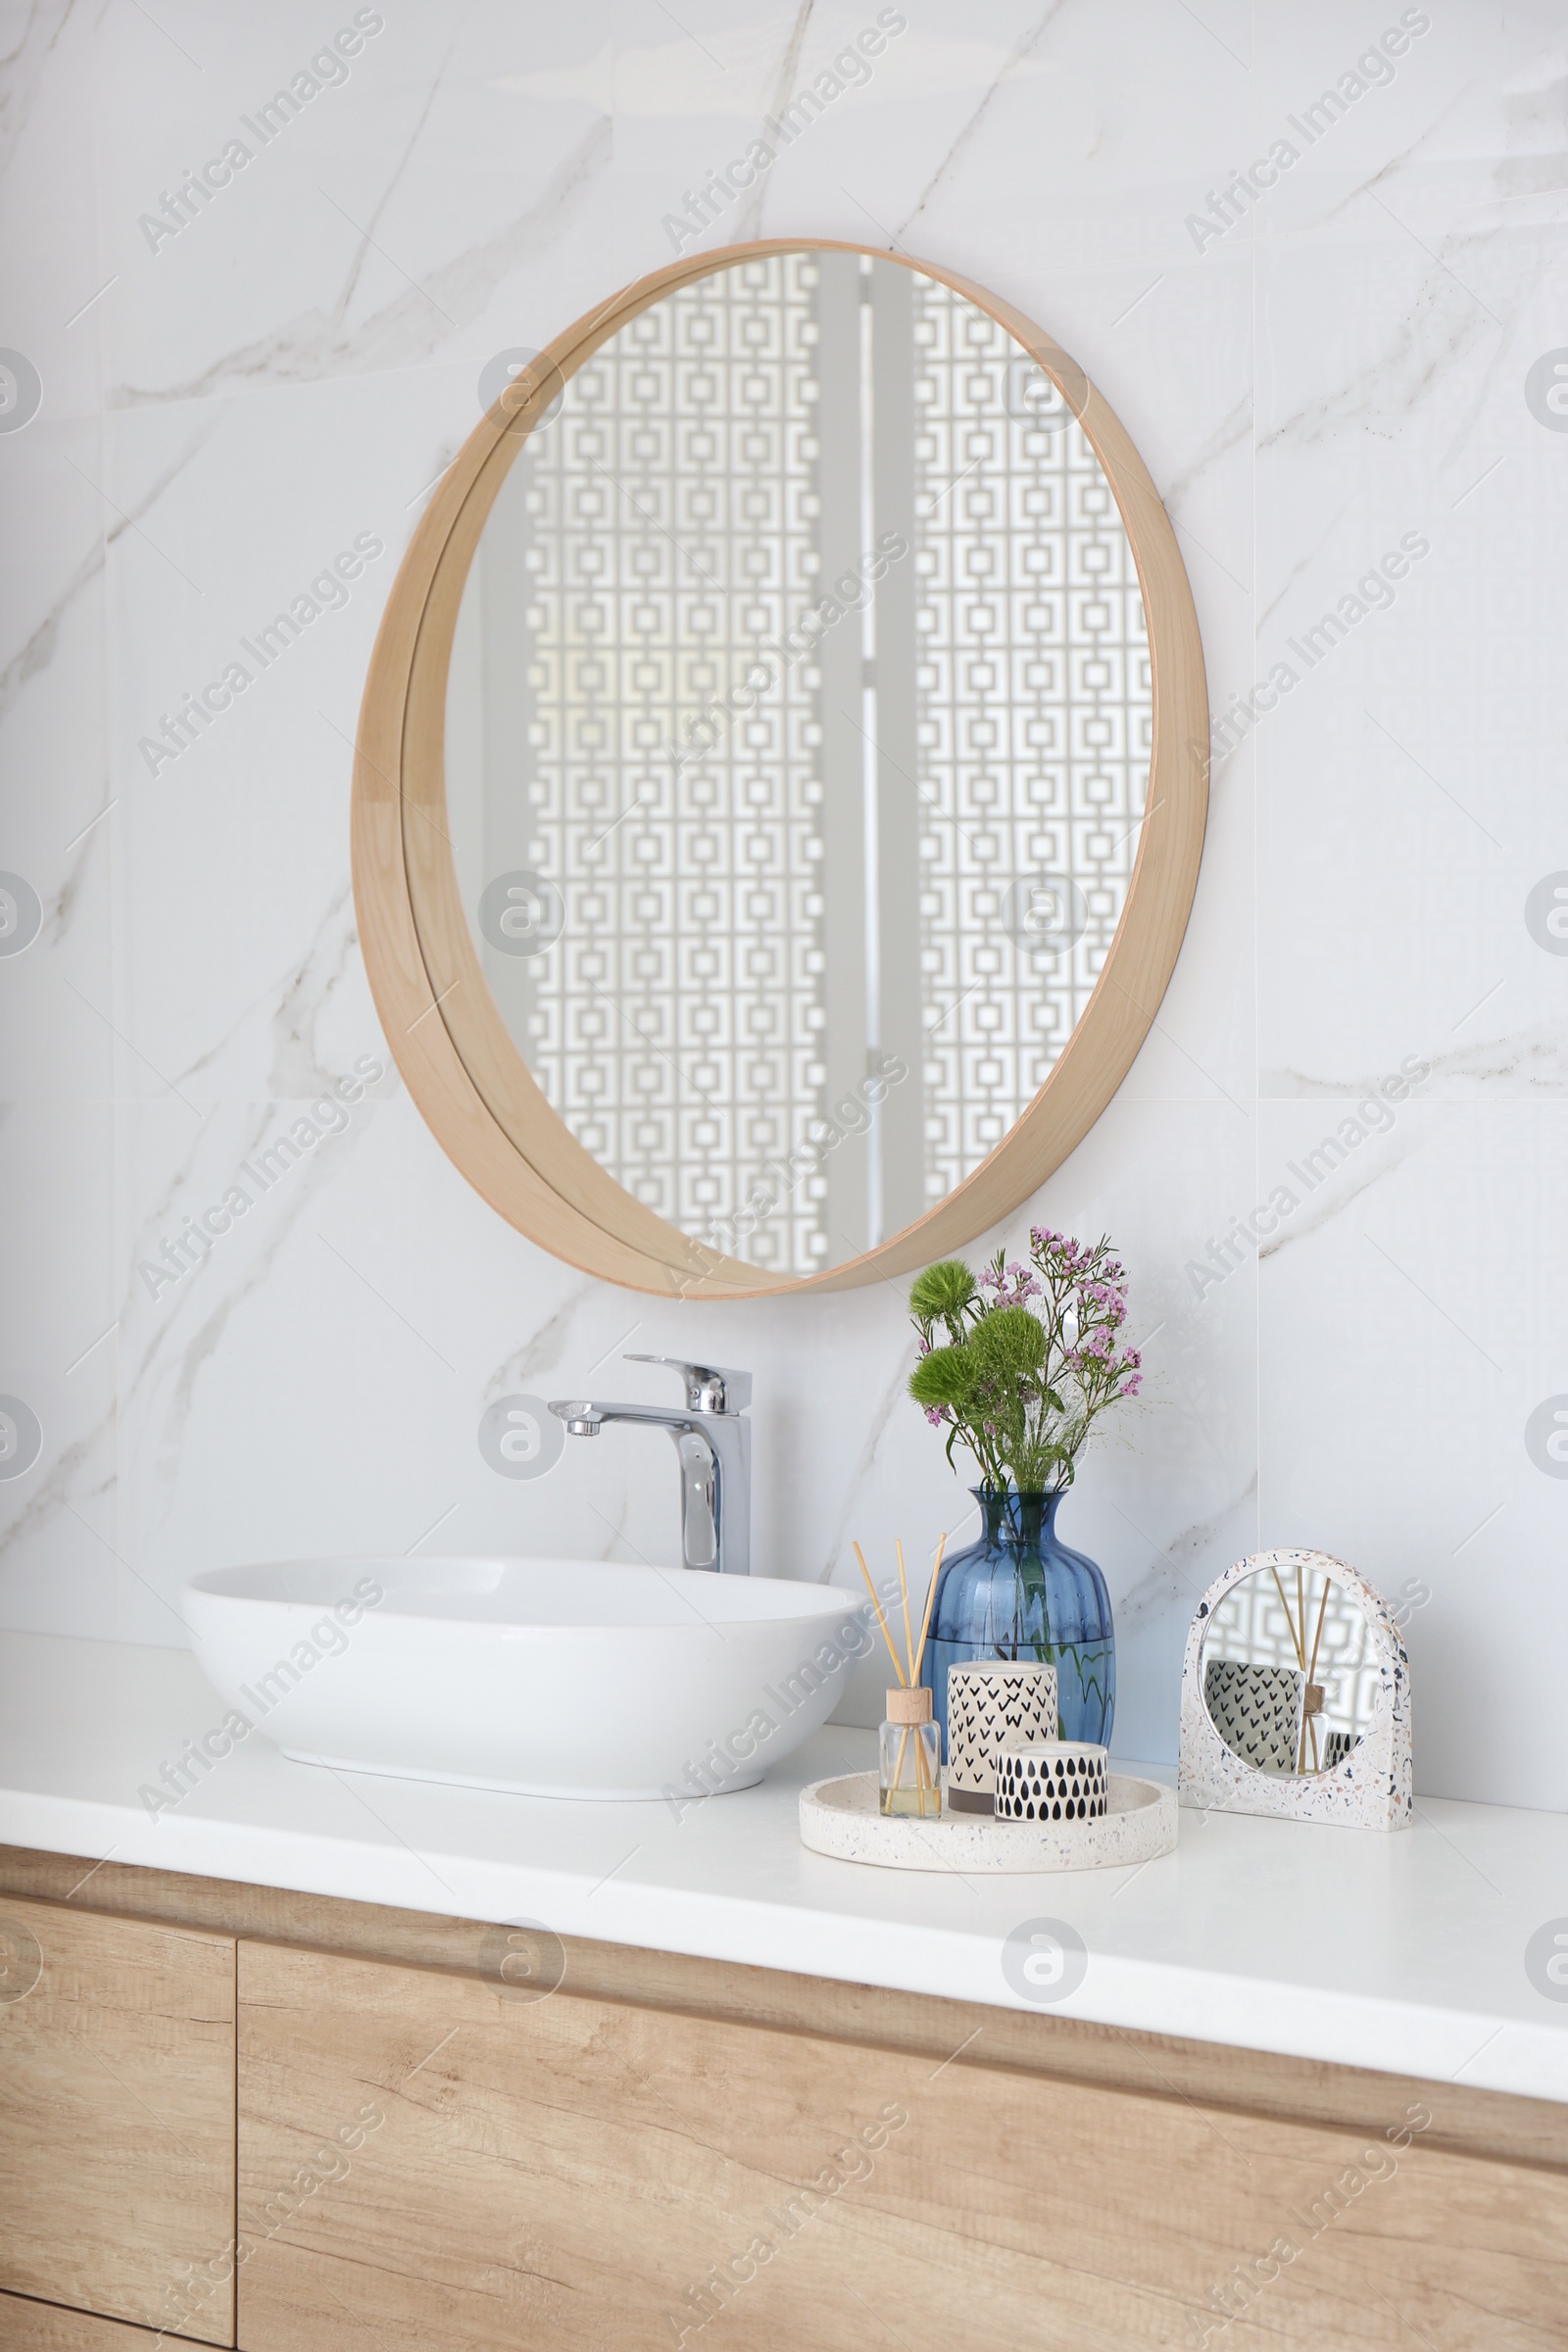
547 1677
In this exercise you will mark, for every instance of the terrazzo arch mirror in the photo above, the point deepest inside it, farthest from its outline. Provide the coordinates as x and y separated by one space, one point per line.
781 775
1295 1696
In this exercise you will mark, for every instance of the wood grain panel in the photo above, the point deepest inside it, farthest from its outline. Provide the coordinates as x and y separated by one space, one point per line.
45 2328
116 2116
1470 2121
584 2174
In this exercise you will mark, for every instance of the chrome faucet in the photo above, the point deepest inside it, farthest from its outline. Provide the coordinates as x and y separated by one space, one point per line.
714 1445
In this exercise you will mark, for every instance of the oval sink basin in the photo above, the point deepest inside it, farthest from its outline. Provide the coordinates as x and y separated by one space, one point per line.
546 1677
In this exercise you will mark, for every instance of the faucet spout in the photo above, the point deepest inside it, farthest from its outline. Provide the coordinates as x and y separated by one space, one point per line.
582 1419
713 1442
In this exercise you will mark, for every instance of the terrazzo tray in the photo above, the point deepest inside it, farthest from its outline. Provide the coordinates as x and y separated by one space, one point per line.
840 1817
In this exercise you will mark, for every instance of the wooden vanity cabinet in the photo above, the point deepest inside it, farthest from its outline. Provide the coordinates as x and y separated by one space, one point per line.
26 2326
117 2123
671 2151
593 2175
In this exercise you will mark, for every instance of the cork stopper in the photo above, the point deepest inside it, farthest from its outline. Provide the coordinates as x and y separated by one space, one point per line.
909 1707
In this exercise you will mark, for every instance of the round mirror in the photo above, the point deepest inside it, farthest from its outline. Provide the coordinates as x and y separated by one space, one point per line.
801 719
1291 1674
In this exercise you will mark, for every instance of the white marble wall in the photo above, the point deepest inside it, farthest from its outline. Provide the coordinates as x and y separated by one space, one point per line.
1344 365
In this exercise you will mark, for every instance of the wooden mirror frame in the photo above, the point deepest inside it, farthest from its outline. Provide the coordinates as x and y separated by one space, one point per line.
465 1075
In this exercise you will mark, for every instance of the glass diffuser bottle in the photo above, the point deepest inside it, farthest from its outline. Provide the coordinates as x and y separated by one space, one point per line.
909 1777
909 1753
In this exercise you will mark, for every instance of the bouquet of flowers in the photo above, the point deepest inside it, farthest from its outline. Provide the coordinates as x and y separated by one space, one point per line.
1019 1363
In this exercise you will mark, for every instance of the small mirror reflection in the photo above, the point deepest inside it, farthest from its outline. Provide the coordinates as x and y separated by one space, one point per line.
1289 1677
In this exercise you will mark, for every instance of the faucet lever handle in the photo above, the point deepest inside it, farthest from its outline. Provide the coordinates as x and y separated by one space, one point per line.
710 1388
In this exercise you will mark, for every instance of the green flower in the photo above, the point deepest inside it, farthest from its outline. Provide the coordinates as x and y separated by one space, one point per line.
941 1292
947 1376
1008 1345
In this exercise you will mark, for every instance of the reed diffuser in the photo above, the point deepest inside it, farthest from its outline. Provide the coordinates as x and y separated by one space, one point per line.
910 1754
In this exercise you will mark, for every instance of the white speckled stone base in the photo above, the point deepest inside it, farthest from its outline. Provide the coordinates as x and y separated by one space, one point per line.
1371 1787
840 1817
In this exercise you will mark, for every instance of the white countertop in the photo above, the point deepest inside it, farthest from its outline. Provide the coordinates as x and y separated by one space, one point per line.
1403 1953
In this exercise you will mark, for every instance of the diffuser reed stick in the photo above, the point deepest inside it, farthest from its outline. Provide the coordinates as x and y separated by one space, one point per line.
1309 1722
915 1654
930 1599
916 1658
903 1596
881 1620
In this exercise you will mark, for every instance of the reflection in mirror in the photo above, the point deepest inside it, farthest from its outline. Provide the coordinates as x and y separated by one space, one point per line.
797 734
1290 1678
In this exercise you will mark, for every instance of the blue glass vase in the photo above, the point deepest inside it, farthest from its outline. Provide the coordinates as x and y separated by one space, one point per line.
1019 1592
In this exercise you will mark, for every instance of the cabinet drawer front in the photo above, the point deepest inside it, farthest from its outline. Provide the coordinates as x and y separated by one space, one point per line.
442 2163
45 2328
116 2116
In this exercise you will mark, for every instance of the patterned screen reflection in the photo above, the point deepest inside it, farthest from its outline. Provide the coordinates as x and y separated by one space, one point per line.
798 737
1291 1676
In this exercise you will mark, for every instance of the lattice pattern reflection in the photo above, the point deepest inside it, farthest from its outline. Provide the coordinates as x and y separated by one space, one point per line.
1253 1623
677 1022
1036 719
